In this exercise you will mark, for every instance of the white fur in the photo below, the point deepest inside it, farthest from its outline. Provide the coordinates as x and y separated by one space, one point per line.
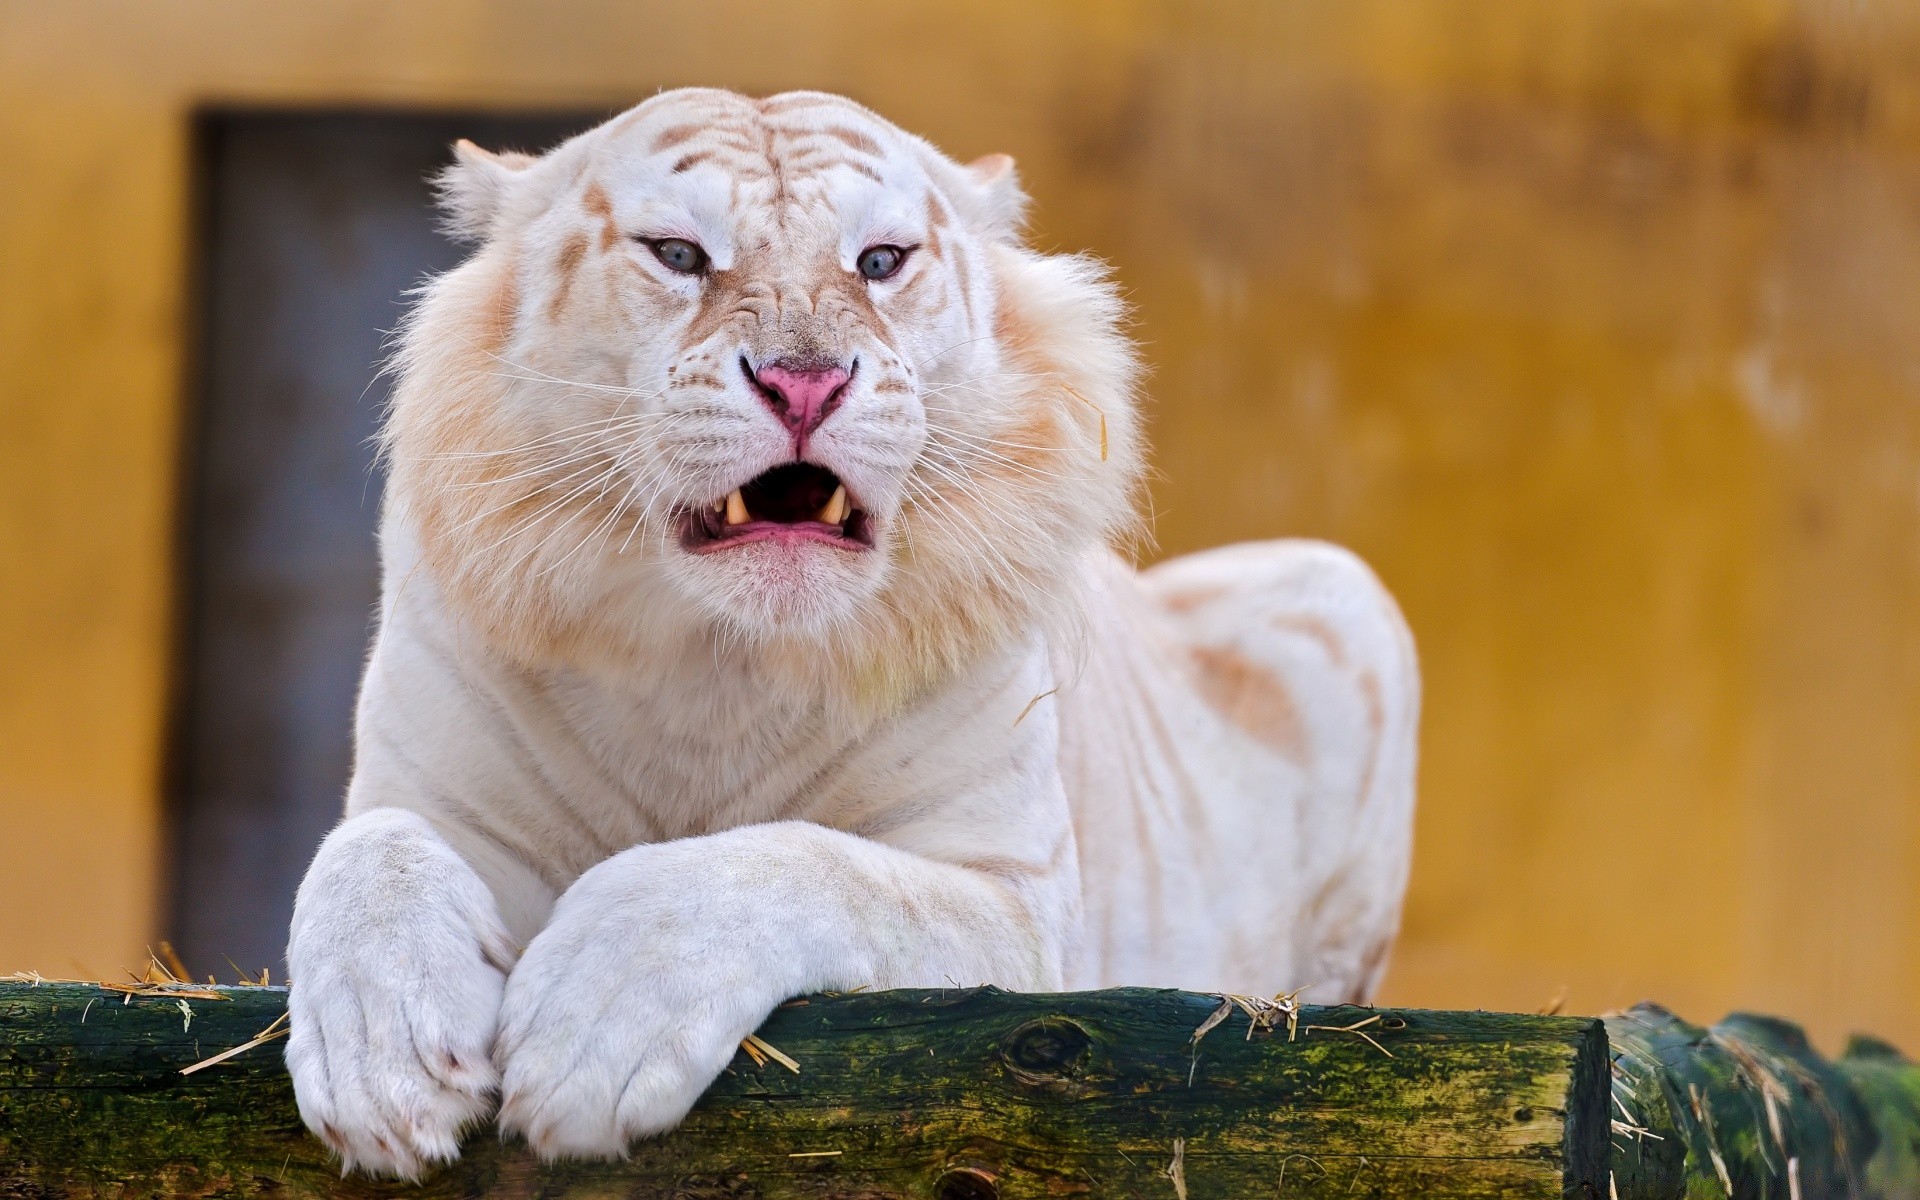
680 789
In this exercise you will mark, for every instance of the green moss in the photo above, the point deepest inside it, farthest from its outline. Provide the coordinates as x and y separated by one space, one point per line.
922 1094
1748 1103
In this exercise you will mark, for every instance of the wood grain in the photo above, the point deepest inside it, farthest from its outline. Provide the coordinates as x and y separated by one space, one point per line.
955 1095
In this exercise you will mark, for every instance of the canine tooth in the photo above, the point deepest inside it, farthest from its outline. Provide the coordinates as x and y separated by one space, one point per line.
736 508
836 509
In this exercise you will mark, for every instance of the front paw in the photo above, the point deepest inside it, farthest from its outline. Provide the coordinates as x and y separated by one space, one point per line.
619 1015
397 980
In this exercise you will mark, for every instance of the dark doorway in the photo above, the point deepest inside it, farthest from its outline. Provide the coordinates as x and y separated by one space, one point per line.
316 225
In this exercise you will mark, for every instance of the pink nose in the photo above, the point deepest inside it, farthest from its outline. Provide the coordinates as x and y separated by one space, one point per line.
801 397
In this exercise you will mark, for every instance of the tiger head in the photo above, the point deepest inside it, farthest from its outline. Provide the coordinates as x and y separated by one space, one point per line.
773 372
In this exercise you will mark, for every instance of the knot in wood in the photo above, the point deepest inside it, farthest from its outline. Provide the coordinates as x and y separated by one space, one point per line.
966 1183
1047 1049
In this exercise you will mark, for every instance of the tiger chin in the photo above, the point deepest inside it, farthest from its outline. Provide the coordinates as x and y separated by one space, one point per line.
752 624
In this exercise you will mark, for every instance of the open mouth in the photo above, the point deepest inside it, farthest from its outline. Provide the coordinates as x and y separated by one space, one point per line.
792 502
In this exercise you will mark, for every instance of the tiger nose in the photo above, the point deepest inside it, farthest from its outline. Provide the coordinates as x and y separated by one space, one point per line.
802 396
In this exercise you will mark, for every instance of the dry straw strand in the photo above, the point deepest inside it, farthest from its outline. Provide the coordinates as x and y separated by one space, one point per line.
1357 1029
759 1043
1177 1169
1103 418
1030 704
276 1029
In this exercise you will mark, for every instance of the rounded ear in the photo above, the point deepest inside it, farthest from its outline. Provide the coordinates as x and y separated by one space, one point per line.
990 169
472 190
987 193
1002 205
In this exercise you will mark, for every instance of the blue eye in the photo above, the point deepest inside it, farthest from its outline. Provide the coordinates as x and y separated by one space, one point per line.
678 254
881 262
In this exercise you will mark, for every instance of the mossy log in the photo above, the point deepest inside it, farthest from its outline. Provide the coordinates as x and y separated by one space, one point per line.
956 1095
1748 1109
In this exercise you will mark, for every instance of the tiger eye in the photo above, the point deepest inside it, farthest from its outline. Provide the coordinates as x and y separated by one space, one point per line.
680 255
880 262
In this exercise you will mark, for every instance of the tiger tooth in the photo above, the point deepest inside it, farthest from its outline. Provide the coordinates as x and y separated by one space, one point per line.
736 508
836 509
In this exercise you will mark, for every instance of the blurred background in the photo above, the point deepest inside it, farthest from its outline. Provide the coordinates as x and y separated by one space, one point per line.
1593 324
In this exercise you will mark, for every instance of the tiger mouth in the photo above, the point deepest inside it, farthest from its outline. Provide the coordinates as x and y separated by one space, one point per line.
793 502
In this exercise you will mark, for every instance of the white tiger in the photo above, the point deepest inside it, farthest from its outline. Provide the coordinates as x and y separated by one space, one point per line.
750 627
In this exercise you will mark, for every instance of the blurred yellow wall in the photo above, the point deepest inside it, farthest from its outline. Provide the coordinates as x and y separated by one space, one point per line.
1592 323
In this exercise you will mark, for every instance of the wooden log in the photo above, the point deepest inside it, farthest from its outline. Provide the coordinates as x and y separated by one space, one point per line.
955 1095
1748 1109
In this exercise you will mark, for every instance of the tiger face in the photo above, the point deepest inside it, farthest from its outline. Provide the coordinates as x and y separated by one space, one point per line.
774 367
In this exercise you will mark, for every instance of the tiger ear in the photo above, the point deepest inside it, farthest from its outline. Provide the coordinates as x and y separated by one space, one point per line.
1000 207
473 188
